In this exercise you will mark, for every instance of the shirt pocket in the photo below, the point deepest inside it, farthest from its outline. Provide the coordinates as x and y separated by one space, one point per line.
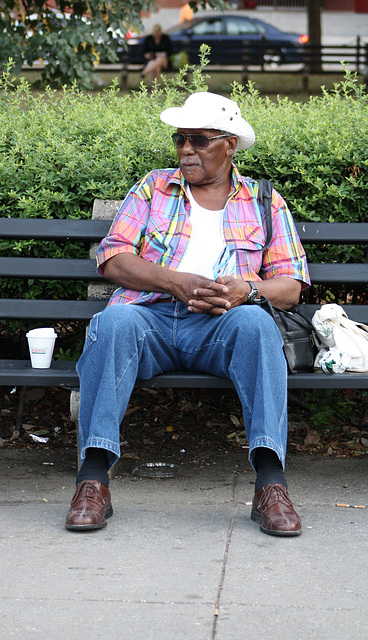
158 233
243 238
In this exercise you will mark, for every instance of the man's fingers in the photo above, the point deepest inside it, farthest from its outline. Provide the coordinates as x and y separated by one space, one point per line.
213 291
210 303
216 311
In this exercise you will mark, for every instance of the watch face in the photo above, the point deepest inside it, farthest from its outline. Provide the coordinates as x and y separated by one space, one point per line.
253 294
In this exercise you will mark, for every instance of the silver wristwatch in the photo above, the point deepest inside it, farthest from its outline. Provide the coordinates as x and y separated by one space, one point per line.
253 294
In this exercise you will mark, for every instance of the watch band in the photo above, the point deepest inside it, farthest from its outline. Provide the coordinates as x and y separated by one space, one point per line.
253 294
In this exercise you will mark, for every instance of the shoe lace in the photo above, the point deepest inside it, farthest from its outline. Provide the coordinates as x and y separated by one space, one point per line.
279 494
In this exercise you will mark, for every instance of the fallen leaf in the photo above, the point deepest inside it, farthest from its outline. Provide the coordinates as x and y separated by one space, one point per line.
35 394
29 427
364 442
131 410
235 420
130 456
312 439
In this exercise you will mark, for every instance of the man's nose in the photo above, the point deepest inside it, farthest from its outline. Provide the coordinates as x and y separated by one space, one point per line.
187 147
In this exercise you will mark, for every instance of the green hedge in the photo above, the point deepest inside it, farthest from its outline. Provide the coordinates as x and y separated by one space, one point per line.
60 151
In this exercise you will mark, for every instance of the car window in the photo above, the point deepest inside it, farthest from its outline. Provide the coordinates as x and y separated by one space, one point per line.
207 27
239 27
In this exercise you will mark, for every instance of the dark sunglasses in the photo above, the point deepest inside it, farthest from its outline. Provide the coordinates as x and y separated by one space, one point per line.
196 140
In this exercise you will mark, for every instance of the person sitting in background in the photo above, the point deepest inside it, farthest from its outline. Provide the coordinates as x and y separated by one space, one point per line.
157 50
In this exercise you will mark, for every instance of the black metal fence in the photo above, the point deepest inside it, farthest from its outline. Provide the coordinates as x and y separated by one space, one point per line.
324 58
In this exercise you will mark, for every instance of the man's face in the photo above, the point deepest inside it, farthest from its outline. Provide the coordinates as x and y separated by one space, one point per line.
206 166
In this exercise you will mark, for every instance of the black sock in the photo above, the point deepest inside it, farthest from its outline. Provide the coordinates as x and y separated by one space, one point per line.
94 467
268 467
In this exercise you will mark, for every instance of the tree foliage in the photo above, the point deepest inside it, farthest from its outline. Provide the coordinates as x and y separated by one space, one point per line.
67 41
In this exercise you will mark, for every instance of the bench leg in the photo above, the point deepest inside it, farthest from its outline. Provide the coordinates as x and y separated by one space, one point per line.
74 416
19 418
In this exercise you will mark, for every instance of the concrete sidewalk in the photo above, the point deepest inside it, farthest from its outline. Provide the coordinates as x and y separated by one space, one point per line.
177 552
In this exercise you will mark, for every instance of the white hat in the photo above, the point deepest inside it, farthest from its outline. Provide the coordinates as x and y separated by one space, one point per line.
204 110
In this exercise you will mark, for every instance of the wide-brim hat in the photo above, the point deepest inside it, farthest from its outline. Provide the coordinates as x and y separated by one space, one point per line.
205 110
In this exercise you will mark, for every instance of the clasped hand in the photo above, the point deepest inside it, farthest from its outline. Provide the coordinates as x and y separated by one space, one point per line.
203 295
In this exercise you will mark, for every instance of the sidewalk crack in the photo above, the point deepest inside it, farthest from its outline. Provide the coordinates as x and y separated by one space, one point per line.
226 553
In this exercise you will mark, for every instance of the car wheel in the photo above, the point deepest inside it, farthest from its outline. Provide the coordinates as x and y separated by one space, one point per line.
273 57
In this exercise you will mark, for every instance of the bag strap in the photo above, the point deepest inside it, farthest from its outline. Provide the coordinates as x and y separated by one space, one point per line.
265 198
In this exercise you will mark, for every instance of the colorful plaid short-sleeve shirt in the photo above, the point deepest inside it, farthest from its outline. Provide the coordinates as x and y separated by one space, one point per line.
154 223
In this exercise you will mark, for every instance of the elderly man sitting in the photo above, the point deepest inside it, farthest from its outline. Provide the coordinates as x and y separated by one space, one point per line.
186 251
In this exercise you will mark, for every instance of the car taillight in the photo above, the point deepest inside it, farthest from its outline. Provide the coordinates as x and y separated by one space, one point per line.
303 39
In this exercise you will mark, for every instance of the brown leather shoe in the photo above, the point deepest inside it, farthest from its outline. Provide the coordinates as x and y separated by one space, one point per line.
273 509
90 507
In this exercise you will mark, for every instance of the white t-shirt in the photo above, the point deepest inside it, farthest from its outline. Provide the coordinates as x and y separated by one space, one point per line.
206 242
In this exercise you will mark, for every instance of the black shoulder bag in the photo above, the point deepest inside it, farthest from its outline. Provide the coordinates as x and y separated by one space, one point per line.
295 324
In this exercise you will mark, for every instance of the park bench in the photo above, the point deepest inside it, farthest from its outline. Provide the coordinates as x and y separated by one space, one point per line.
15 372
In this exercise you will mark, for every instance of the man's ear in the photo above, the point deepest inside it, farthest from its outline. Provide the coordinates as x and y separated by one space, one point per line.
232 142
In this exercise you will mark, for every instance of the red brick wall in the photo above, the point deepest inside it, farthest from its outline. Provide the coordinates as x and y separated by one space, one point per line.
339 5
171 4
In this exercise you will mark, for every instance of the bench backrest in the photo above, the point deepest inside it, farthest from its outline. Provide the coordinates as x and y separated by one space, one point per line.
91 231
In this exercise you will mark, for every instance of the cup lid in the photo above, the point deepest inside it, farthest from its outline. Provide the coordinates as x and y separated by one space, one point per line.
43 332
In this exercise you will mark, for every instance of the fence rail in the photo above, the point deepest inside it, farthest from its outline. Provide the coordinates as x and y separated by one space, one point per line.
323 56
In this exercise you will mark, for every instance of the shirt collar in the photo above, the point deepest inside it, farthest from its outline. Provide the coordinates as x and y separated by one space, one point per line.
236 183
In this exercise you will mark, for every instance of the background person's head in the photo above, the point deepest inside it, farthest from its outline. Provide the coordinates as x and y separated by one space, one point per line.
157 31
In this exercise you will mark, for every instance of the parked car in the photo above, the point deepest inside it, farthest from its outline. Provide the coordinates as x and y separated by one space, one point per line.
225 33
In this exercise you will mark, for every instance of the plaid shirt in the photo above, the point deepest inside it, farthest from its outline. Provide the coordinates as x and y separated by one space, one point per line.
154 223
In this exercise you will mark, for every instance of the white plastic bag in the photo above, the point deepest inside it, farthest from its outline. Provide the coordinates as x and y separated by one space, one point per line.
346 339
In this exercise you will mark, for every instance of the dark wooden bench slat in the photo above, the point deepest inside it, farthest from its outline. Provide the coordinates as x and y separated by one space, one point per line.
21 309
333 232
94 230
319 380
49 268
338 273
55 229
74 269
357 312
19 372
63 374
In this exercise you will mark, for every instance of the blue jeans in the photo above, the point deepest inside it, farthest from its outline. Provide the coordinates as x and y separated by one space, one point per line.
126 342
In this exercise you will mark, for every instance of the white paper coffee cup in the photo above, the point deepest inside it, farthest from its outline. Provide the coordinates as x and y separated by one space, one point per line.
41 344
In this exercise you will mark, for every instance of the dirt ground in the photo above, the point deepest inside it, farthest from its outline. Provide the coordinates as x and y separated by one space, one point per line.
170 424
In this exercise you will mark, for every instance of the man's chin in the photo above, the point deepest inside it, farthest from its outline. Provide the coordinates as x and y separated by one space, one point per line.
192 174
